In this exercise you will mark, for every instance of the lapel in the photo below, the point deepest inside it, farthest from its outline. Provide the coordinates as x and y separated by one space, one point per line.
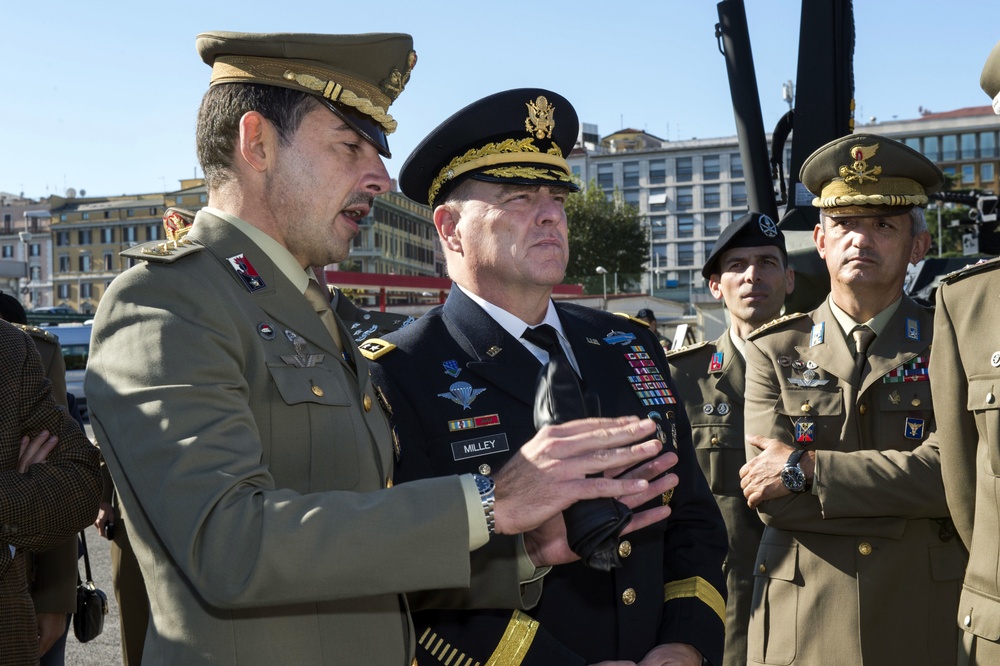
893 348
731 381
832 355
590 358
279 298
512 369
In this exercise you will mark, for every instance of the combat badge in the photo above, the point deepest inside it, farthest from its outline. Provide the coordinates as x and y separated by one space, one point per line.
462 393
914 428
715 365
246 272
619 338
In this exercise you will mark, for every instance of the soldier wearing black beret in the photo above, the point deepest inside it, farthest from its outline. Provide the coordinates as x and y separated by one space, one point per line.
858 562
461 380
748 270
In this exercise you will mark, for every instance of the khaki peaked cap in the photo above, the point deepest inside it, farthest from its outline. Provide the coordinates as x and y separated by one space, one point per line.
990 79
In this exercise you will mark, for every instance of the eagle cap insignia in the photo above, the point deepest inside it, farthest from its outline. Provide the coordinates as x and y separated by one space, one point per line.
393 84
540 120
859 171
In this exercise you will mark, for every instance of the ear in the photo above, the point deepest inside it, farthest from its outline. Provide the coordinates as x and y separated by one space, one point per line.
257 139
921 244
714 287
819 238
446 217
789 280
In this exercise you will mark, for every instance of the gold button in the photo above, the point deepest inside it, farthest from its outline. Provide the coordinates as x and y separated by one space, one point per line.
806 407
388 482
485 469
863 409
625 548
628 596
367 403
915 402
715 441
865 548
762 569
414 662
317 391
667 496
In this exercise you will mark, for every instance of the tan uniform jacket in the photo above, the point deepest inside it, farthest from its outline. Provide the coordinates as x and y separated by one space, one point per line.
713 398
965 376
860 570
251 471
29 518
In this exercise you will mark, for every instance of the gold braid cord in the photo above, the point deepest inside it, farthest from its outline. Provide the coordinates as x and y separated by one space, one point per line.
700 589
337 93
871 200
516 641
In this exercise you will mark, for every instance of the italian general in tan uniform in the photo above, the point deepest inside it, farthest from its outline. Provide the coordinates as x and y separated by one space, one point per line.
858 563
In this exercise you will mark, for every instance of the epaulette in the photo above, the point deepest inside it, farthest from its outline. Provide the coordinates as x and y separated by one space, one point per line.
373 348
163 252
777 322
39 333
971 269
686 349
641 322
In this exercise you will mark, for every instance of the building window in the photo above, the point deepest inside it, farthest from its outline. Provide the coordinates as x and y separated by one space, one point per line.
86 290
657 200
109 262
83 237
949 171
576 172
8 251
738 195
107 235
685 198
62 238
710 167
986 172
63 291
62 218
713 224
969 151
129 212
968 173
932 150
203 198
657 172
658 227
152 211
107 215
86 216
632 197
685 254
685 169
84 263
606 177
35 250
711 195
129 235
685 226
949 147
987 144
63 263
913 142
630 173
153 232
36 273
735 166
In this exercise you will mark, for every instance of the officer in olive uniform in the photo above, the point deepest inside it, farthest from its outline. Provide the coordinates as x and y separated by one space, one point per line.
965 378
461 382
748 269
858 562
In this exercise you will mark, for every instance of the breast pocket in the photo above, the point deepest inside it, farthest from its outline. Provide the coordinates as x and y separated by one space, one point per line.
721 453
823 408
983 404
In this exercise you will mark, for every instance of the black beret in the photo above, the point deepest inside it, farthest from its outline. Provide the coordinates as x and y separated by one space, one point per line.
751 230
519 136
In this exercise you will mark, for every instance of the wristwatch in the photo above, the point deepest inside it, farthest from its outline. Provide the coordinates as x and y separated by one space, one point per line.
792 475
485 485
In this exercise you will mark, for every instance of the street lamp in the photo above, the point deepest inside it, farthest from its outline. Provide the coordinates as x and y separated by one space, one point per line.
603 272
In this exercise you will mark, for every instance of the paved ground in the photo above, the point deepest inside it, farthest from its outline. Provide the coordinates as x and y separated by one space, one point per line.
105 650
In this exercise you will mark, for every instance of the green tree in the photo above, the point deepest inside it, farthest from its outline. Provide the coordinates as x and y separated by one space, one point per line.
604 232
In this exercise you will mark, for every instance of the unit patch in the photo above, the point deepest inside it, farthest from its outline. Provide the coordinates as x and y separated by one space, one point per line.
715 365
246 272
914 428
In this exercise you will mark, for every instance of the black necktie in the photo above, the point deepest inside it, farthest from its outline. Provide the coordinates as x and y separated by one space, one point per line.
592 526
863 337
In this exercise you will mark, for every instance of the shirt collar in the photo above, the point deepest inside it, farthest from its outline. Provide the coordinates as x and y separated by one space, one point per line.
876 323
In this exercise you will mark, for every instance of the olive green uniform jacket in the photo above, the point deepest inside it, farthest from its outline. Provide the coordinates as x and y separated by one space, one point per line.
864 568
965 376
713 397
251 461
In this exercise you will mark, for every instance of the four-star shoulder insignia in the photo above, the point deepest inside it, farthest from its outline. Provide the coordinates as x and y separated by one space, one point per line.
163 252
774 324
39 333
970 270
684 350
634 320
373 348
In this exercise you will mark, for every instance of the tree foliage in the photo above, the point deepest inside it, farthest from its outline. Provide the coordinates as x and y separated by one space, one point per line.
606 233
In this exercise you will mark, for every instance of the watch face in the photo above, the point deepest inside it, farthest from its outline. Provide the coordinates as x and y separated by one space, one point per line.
484 484
794 479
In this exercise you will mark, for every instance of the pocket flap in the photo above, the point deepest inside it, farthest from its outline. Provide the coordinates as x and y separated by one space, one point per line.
821 403
315 384
981 389
979 614
777 561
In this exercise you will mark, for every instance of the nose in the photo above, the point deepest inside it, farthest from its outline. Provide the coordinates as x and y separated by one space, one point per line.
376 178
861 236
550 210
752 273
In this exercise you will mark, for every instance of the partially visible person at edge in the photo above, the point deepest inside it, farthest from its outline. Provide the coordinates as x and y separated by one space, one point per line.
647 316
461 381
259 495
52 574
965 377
747 270
858 562
50 486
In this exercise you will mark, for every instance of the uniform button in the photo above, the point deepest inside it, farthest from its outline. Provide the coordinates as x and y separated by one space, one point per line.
865 548
628 597
625 548
388 482
806 408
967 621
414 662
367 403
990 398
317 391
863 409
485 469
915 402
762 569
715 441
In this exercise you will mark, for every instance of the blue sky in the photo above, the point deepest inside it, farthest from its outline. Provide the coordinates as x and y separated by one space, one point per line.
102 96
